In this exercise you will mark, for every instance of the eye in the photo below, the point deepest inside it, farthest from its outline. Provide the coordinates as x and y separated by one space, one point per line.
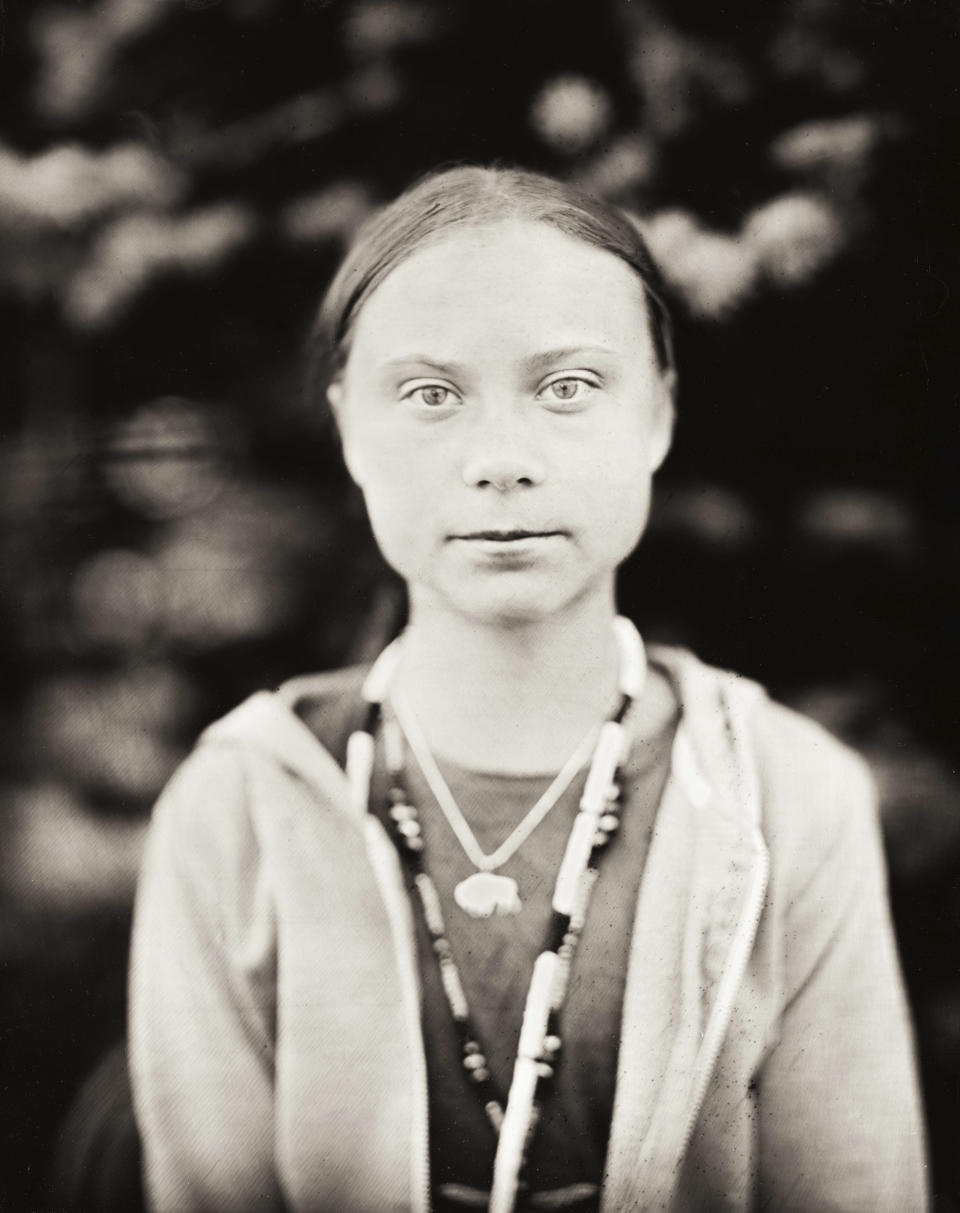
568 389
431 397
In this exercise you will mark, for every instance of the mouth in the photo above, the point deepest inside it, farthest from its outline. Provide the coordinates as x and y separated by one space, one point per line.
508 536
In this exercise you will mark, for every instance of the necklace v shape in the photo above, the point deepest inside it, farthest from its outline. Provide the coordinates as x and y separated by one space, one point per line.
452 811
484 892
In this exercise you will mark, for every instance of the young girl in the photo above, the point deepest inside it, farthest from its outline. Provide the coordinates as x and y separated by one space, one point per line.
525 916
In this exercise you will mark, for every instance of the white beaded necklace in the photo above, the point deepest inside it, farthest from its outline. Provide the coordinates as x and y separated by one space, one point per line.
596 822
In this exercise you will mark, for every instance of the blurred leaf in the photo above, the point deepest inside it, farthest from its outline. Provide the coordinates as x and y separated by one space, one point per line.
713 273
93 732
571 113
69 184
77 50
795 236
166 459
331 214
58 855
137 249
854 518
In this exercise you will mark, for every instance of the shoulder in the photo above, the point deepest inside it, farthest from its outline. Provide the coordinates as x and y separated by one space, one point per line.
202 829
324 687
212 794
330 704
786 745
820 806
798 757
815 792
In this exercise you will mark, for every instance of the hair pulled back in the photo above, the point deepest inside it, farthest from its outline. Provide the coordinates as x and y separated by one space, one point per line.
472 196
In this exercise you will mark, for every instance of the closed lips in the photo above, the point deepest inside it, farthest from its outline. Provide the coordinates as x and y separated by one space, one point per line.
508 536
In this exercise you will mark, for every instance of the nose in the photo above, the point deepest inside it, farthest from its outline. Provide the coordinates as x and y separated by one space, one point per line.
500 458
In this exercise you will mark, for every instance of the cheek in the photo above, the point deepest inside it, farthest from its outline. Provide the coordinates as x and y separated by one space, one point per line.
614 467
399 493
622 509
375 458
614 488
394 522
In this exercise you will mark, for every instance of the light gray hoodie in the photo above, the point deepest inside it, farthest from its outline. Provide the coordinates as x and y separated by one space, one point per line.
766 1057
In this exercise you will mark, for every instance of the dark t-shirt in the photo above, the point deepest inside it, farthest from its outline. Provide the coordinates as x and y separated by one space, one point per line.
495 955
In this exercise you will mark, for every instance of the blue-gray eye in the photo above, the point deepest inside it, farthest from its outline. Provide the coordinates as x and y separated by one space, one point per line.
565 389
433 395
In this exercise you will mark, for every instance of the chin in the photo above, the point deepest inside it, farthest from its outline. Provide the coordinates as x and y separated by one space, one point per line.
518 605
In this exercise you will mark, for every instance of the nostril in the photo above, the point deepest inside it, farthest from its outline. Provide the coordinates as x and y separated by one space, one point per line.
501 470
502 483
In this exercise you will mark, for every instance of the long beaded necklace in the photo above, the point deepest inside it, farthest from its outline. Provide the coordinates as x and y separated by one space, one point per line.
598 818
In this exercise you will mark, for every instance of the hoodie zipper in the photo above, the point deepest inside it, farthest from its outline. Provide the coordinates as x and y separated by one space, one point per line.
739 951
719 1019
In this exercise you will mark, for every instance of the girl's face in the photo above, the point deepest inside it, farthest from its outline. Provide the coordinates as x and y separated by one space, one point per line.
503 413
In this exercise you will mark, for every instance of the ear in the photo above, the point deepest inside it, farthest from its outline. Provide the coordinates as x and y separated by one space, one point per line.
335 398
661 425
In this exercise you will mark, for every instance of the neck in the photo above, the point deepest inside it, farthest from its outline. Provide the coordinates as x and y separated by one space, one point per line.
514 699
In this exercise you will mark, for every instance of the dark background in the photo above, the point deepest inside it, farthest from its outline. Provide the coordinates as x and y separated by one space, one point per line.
177 179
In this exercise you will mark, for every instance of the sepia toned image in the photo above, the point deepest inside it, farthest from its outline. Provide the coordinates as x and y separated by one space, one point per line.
479 585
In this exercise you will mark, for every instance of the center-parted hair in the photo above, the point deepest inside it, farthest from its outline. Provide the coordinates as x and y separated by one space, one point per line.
472 196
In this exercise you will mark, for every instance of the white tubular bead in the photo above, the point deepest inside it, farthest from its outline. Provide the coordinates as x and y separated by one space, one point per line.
359 769
377 682
536 1012
431 903
513 1136
575 859
603 768
578 915
392 745
633 657
454 990
561 978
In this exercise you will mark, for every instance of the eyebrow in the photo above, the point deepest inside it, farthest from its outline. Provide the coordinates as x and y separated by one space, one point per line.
450 369
540 361
536 362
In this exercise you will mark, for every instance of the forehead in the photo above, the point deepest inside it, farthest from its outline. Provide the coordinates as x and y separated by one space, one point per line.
517 282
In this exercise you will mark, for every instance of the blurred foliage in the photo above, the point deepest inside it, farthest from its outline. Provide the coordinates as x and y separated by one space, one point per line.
177 181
